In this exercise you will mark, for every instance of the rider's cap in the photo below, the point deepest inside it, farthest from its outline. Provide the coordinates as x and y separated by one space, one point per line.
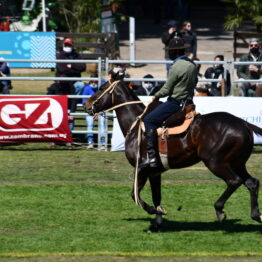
176 43
68 41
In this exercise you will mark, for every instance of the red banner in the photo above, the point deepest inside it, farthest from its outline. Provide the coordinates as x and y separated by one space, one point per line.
34 119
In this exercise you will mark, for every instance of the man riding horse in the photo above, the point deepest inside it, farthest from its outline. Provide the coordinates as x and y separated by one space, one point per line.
179 88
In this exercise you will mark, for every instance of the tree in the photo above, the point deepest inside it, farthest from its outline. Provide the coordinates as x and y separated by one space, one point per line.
240 11
80 15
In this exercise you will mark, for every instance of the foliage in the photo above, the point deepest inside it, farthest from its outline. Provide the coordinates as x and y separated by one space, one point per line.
83 15
240 11
80 16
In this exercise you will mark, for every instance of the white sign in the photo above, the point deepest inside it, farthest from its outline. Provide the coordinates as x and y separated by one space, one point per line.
247 108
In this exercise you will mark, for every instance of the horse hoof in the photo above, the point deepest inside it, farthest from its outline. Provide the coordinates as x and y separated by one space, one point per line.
153 229
221 217
161 210
258 218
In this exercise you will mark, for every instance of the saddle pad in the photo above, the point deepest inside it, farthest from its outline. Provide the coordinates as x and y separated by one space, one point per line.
178 129
175 130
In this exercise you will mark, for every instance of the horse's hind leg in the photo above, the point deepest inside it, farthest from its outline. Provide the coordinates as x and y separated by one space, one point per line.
233 182
252 185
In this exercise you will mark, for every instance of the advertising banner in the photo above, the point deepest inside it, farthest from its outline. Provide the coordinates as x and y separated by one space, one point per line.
34 119
30 46
247 108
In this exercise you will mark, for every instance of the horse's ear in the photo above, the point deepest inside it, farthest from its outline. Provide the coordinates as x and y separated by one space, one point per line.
117 73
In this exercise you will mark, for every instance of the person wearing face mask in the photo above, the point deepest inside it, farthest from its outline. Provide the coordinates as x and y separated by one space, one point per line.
218 72
190 38
147 88
250 71
89 90
67 70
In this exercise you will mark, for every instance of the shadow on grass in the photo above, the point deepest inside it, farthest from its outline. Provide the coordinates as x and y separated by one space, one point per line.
229 226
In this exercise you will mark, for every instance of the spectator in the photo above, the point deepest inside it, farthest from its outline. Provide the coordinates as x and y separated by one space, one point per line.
67 70
171 33
201 89
147 88
189 38
217 71
5 85
90 89
249 71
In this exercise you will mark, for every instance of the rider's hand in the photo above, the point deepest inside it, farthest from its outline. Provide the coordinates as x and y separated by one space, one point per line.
95 117
154 98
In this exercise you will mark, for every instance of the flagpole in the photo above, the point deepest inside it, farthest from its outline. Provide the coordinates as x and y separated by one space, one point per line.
44 15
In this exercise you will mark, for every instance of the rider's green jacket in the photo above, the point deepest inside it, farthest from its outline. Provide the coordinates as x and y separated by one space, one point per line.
182 80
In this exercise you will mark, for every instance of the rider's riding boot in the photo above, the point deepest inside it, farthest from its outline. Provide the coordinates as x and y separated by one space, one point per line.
151 147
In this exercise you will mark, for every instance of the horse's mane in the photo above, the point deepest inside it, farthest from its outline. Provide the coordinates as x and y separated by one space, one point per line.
132 92
129 90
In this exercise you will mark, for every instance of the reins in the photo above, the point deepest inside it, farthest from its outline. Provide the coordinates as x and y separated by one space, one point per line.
139 139
123 104
110 90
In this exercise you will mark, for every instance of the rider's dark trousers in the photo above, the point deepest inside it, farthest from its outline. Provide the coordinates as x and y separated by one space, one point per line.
154 119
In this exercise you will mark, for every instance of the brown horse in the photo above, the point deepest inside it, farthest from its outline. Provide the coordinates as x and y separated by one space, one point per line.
222 141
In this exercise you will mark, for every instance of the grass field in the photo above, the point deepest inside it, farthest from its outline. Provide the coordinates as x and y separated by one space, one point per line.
75 205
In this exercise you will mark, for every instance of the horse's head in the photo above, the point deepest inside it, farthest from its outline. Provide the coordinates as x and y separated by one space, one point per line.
104 98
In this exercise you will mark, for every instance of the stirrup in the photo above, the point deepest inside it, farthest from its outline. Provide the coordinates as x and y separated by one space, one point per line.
149 163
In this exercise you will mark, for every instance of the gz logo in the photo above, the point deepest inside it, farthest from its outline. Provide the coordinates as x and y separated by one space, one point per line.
30 114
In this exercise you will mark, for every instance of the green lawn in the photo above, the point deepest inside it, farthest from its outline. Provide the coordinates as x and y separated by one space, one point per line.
75 205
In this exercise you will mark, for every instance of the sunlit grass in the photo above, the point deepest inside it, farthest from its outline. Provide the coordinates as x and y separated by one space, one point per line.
77 203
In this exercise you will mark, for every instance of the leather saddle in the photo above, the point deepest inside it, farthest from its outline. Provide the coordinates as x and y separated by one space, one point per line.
176 123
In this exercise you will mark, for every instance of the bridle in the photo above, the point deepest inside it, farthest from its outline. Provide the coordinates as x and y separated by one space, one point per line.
110 90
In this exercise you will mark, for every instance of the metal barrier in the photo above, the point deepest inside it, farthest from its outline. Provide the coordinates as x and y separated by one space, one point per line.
79 114
228 65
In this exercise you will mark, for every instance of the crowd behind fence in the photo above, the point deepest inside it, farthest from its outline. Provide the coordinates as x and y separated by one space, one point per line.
103 69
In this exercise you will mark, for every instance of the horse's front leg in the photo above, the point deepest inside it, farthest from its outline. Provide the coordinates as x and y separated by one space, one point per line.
155 183
139 184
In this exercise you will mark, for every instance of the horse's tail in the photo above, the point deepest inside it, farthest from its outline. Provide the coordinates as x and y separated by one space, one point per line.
257 130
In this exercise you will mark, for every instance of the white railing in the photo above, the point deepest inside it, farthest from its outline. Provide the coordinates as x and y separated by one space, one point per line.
228 65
